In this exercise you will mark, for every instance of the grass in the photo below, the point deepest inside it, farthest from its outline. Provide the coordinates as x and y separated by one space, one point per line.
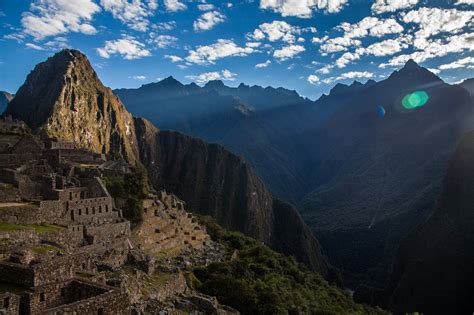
38 228
44 248
169 252
161 278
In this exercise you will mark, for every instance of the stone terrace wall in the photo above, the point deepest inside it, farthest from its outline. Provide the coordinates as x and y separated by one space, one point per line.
107 232
69 238
25 214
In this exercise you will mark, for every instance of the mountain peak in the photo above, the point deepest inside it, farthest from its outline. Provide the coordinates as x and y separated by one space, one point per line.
64 98
411 65
414 72
214 84
170 81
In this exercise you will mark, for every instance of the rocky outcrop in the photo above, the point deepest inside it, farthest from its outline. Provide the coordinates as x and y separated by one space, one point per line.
433 269
64 98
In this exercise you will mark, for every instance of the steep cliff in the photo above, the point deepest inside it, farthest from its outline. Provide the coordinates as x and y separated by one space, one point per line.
63 97
215 182
433 269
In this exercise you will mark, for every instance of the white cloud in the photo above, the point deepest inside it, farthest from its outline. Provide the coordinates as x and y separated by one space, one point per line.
174 5
139 77
162 41
382 6
206 7
302 8
467 63
274 31
459 2
129 48
34 46
288 52
173 58
53 17
203 78
208 20
349 75
433 21
313 79
164 26
346 58
326 69
319 40
436 48
223 48
371 26
263 64
253 44
134 14
339 44
152 4
383 48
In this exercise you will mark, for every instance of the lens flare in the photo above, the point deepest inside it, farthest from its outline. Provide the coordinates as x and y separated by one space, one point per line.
415 99
381 111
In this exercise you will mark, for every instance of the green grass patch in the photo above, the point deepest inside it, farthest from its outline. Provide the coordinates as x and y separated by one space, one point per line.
44 248
39 228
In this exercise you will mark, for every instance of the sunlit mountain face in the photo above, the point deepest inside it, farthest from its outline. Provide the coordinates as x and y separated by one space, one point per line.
307 46
337 132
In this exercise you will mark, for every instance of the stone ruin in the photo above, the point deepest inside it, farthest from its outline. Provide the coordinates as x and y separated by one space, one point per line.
64 241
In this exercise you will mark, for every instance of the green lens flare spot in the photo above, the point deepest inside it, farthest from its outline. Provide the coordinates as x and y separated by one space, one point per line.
415 99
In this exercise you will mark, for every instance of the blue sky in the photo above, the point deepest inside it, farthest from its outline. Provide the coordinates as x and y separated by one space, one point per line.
306 45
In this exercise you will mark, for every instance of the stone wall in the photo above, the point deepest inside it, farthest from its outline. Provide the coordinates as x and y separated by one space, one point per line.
9 304
69 238
76 297
16 274
24 214
86 210
107 232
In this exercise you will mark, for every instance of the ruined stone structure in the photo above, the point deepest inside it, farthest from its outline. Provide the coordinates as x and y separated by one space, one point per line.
65 247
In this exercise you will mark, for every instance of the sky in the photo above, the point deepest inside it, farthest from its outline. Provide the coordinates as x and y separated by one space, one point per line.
305 45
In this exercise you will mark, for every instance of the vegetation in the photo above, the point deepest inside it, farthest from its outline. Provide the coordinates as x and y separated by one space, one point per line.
132 188
39 228
44 248
261 281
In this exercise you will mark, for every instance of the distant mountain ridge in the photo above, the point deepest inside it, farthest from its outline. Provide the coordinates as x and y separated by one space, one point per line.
362 180
63 97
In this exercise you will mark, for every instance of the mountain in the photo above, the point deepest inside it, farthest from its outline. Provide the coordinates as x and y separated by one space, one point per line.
432 271
257 97
468 84
378 176
63 97
5 97
361 164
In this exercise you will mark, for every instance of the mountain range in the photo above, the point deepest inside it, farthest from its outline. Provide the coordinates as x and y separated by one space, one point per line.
64 98
362 167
